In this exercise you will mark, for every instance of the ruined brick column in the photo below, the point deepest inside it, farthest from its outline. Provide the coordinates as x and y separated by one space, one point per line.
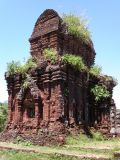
112 118
117 122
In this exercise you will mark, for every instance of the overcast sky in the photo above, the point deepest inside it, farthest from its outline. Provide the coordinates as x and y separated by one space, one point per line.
17 19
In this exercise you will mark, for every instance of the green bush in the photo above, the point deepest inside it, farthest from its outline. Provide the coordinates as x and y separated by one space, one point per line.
18 68
50 54
20 140
25 84
27 81
97 136
100 92
77 139
13 67
74 61
95 70
30 64
77 26
3 116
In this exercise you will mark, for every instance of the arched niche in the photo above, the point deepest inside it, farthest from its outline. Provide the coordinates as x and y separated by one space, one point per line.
32 106
28 105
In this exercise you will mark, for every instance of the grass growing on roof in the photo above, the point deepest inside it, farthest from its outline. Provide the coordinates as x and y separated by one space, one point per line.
15 67
78 26
74 61
51 54
95 70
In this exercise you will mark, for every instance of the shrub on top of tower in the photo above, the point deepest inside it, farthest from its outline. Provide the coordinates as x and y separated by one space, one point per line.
95 70
15 67
77 26
75 61
50 54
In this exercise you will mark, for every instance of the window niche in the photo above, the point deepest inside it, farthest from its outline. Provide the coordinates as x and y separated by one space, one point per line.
31 110
29 105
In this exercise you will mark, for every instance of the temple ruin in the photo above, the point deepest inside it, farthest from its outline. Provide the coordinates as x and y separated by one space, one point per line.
58 96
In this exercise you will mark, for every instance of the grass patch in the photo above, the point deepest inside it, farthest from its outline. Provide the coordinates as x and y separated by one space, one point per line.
75 61
75 146
13 155
97 140
18 68
95 70
51 54
21 141
83 139
77 26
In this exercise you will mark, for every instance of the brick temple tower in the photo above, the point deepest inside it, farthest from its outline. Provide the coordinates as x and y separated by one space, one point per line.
57 94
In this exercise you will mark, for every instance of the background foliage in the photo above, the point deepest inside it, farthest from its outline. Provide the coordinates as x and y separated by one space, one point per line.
3 115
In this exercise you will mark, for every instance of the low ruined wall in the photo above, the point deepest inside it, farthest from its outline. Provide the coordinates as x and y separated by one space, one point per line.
112 118
117 121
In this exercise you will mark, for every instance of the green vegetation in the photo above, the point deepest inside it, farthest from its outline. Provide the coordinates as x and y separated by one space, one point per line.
23 142
13 67
51 54
95 70
30 64
77 26
82 139
18 68
100 92
13 155
74 61
76 146
26 81
3 116
25 84
97 144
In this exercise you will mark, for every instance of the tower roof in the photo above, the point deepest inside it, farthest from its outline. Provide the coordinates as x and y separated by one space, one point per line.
47 22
